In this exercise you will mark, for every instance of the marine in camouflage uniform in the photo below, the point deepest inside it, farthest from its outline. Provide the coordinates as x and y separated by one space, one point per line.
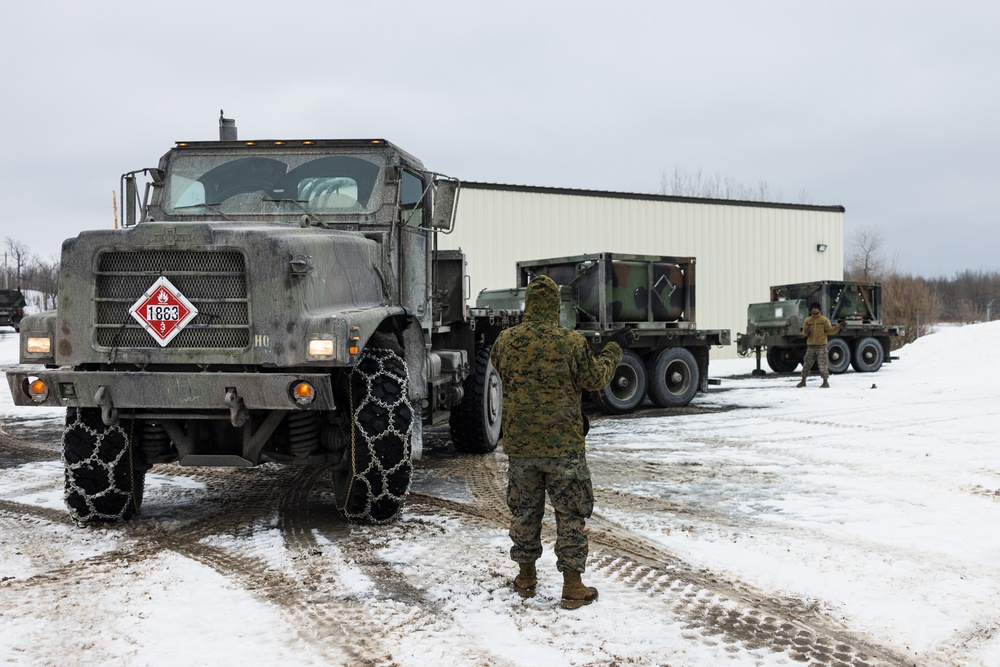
816 329
545 368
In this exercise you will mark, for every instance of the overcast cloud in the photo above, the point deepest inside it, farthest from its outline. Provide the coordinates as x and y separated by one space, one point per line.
890 109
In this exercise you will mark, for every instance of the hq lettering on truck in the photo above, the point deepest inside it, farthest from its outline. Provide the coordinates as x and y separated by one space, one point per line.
276 301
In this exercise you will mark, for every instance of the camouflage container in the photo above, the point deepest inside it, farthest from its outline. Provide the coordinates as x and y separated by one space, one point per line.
512 299
838 300
611 288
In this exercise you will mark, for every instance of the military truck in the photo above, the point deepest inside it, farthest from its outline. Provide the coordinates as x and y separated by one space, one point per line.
863 341
270 301
655 295
12 305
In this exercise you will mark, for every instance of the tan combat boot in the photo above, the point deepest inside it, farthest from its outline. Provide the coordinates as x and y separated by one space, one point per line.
825 385
574 593
801 383
526 580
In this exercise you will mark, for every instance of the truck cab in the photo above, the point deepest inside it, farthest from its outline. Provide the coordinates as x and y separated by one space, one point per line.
265 301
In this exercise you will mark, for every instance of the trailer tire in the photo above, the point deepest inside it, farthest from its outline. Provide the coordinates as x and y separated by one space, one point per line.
382 423
627 388
868 355
838 355
475 422
673 378
104 473
783 359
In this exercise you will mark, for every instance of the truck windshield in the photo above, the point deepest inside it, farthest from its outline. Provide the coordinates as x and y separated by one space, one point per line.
269 183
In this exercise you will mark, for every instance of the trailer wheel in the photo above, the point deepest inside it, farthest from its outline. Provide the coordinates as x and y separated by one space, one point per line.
673 378
382 419
475 422
838 355
627 388
783 359
868 355
105 472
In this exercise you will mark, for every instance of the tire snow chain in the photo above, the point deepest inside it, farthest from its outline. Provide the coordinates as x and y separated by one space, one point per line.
95 461
374 462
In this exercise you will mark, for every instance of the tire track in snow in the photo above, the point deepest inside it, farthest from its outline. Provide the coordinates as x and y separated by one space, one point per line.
715 607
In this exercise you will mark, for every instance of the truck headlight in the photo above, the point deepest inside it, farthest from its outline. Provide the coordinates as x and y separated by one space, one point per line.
320 347
38 345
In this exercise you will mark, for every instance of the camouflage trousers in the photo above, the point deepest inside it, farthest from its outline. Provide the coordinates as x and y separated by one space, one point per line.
567 481
816 354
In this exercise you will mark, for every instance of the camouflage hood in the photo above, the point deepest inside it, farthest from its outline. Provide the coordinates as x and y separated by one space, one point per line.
541 301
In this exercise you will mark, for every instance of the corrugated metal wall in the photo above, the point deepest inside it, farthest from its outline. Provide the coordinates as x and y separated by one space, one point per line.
741 250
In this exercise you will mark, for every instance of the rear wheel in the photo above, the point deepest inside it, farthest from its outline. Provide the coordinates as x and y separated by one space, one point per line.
783 359
382 424
104 470
475 422
838 356
673 378
868 355
627 388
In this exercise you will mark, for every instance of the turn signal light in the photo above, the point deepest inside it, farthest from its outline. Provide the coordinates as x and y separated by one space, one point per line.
38 390
353 336
303 393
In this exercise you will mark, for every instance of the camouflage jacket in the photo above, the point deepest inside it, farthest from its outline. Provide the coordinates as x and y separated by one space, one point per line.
545 368
816 328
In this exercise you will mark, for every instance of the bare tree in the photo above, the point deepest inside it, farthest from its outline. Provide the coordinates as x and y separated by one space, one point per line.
43 277
687 184
866 257
21 254
912 302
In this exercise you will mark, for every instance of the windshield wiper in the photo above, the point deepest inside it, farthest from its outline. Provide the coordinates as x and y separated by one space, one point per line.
214 207
298 202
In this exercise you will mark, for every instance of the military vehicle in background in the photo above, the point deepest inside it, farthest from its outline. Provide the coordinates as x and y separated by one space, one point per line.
12 305
863 341
282 301
655 295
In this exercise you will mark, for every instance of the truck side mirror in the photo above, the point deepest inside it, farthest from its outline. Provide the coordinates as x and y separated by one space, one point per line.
129 203
445 204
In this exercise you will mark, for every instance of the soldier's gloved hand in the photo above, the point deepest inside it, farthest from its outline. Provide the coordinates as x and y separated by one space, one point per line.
624 337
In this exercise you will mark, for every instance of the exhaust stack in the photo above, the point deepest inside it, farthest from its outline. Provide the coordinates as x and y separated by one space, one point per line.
227 127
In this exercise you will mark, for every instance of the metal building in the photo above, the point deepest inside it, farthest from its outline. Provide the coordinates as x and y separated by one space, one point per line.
741 247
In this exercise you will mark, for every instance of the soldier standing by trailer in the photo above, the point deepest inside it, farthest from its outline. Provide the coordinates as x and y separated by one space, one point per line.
816 329
544 368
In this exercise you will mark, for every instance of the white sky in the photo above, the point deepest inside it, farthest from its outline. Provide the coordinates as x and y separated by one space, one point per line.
887 108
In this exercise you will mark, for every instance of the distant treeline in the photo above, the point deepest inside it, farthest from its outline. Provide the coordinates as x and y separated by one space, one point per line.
28 272
917 302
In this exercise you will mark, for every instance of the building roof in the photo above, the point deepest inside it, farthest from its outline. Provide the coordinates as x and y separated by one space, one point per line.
646 197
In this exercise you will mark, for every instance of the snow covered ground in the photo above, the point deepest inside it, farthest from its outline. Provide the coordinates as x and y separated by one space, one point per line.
849 526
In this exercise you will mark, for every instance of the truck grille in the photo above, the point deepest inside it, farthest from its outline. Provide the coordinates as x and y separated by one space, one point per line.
214 282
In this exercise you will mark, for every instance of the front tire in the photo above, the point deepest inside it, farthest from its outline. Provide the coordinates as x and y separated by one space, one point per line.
838 356
475 422
104 471
868 355
673 378
382 424
627 388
